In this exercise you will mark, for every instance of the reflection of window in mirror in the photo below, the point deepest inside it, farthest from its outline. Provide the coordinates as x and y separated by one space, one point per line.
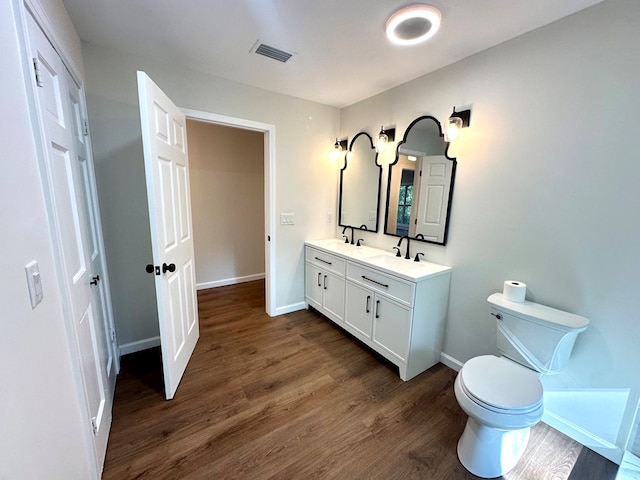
404 202
401 186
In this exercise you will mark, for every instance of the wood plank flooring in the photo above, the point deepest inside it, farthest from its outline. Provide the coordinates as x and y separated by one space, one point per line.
294 397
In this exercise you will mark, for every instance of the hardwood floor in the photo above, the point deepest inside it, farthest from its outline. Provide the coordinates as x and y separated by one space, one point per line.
294 397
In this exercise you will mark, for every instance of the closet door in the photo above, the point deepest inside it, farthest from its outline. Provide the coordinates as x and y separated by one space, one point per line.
66 175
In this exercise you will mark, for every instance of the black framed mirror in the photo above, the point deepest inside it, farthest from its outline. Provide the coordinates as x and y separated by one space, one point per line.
360 180
420 186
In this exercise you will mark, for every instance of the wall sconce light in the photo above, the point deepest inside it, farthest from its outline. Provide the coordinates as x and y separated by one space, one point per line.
384 137
455 122
338 148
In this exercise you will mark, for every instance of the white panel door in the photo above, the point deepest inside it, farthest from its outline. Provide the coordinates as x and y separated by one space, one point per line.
100 293
67 174
435 184
164 139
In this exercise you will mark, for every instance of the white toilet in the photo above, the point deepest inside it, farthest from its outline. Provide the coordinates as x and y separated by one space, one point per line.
503 395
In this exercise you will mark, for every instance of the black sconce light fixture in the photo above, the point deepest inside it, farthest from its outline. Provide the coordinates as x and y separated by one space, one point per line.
384 137
338 148
455 122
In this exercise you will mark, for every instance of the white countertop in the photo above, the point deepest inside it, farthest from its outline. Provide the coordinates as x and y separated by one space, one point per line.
381 259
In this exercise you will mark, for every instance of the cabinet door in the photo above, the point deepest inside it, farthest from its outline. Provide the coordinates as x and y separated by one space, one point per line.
313 286
333 295
359 309
391 327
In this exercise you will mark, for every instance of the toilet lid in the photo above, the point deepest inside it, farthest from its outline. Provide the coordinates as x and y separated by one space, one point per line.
501 384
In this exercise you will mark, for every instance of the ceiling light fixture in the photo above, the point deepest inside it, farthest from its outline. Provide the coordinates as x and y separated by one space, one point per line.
414 24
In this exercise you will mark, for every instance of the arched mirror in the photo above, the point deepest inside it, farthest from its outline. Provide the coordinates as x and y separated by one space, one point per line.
421 184
360 185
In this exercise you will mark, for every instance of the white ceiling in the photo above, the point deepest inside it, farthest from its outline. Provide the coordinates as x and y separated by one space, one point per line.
342 54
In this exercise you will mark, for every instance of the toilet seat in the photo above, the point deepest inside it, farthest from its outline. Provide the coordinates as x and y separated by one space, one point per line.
501 386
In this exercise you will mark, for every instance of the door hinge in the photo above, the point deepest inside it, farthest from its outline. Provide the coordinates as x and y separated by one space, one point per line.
94 426
86 128
36 69
113 335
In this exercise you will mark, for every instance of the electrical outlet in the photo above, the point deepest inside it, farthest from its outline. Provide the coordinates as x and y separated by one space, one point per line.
329 217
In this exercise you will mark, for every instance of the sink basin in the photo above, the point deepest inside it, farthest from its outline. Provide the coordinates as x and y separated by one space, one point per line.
403 267
380 259
338 246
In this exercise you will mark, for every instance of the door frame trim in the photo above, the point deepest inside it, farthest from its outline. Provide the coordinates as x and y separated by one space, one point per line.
269 131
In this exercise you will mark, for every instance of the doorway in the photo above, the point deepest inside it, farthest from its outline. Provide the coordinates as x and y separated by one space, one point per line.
226 170
268 132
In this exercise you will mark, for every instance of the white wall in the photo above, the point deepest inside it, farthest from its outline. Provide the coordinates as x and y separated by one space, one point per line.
306 181
546 191
41 430
226 168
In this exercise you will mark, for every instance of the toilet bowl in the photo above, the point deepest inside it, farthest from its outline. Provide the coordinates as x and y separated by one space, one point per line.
503 400
502 396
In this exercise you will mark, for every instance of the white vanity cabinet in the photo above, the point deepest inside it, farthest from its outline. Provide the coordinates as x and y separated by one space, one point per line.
324 283
395 306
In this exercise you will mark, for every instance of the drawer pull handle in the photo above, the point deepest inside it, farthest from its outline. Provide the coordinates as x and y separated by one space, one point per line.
319 275
367 306
323 261
325 282
377 308
377 283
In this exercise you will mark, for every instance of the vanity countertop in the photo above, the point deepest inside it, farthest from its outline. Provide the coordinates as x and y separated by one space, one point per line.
380 259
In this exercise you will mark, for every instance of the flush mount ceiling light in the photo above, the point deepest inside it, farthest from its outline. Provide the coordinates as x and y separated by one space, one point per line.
413 24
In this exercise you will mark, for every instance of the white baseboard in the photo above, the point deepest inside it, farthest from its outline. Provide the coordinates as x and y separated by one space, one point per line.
586 438
450 362
139 345
629 467
294 307
229 281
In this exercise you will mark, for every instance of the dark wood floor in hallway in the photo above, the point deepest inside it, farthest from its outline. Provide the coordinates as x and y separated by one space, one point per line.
294 397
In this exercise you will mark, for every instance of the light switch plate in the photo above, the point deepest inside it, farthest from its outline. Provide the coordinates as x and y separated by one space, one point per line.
34 282
287 218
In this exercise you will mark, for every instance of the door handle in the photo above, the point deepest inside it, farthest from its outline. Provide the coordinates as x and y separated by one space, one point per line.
367 305
377 308
95 280
319 275
168 268
325 282
151 269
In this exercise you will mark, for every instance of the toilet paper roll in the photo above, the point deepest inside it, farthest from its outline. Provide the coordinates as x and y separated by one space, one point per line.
514 291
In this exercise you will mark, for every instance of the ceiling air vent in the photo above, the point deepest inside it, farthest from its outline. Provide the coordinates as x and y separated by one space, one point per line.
271 52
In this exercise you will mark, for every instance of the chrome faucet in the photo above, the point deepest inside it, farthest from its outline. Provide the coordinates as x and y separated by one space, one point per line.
346 237
408 245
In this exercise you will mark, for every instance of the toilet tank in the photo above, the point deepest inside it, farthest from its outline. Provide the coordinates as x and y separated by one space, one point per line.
534 335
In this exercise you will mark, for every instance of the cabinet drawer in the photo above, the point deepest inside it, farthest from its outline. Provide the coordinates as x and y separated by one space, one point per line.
325 260
395 287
